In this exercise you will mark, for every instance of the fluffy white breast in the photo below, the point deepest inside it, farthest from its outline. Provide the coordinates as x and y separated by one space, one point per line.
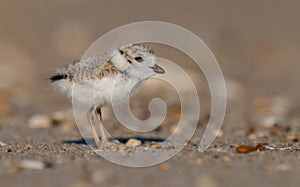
98 92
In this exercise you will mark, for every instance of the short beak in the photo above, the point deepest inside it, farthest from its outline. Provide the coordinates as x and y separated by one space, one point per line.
157 69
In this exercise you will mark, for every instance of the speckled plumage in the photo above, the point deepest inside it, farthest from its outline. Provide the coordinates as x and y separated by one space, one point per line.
109 77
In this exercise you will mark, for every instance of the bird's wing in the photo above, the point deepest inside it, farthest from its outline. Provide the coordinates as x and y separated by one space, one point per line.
94 67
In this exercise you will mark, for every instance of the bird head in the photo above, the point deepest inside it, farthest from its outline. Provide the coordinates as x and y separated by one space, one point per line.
139 59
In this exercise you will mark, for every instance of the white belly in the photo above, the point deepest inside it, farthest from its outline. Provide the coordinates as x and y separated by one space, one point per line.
102 92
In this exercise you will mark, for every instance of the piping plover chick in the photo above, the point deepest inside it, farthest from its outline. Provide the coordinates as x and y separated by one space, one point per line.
107 78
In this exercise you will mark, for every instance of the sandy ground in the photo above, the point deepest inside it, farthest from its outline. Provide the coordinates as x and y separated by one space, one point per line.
256 44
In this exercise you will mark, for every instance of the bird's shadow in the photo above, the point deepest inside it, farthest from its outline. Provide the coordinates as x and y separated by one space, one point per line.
119 139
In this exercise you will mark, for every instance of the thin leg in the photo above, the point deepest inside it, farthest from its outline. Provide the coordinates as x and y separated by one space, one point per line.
104 140
94 132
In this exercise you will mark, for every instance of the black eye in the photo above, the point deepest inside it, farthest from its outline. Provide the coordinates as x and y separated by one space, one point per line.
139 59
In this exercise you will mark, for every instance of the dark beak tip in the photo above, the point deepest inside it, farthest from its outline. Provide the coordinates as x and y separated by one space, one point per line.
157 69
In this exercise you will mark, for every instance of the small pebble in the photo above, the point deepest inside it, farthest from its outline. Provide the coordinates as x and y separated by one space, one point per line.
164 166
219 133
133 142
21 150
274 130
244 149
252 137
226 158
9 150
29 164
27 147
155 145
199 161
260 147
122 147
57 117
170 147
39 121
175 130
2 144
293 138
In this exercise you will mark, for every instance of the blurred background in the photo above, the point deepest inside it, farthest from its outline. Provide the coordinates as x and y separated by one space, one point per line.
255 42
